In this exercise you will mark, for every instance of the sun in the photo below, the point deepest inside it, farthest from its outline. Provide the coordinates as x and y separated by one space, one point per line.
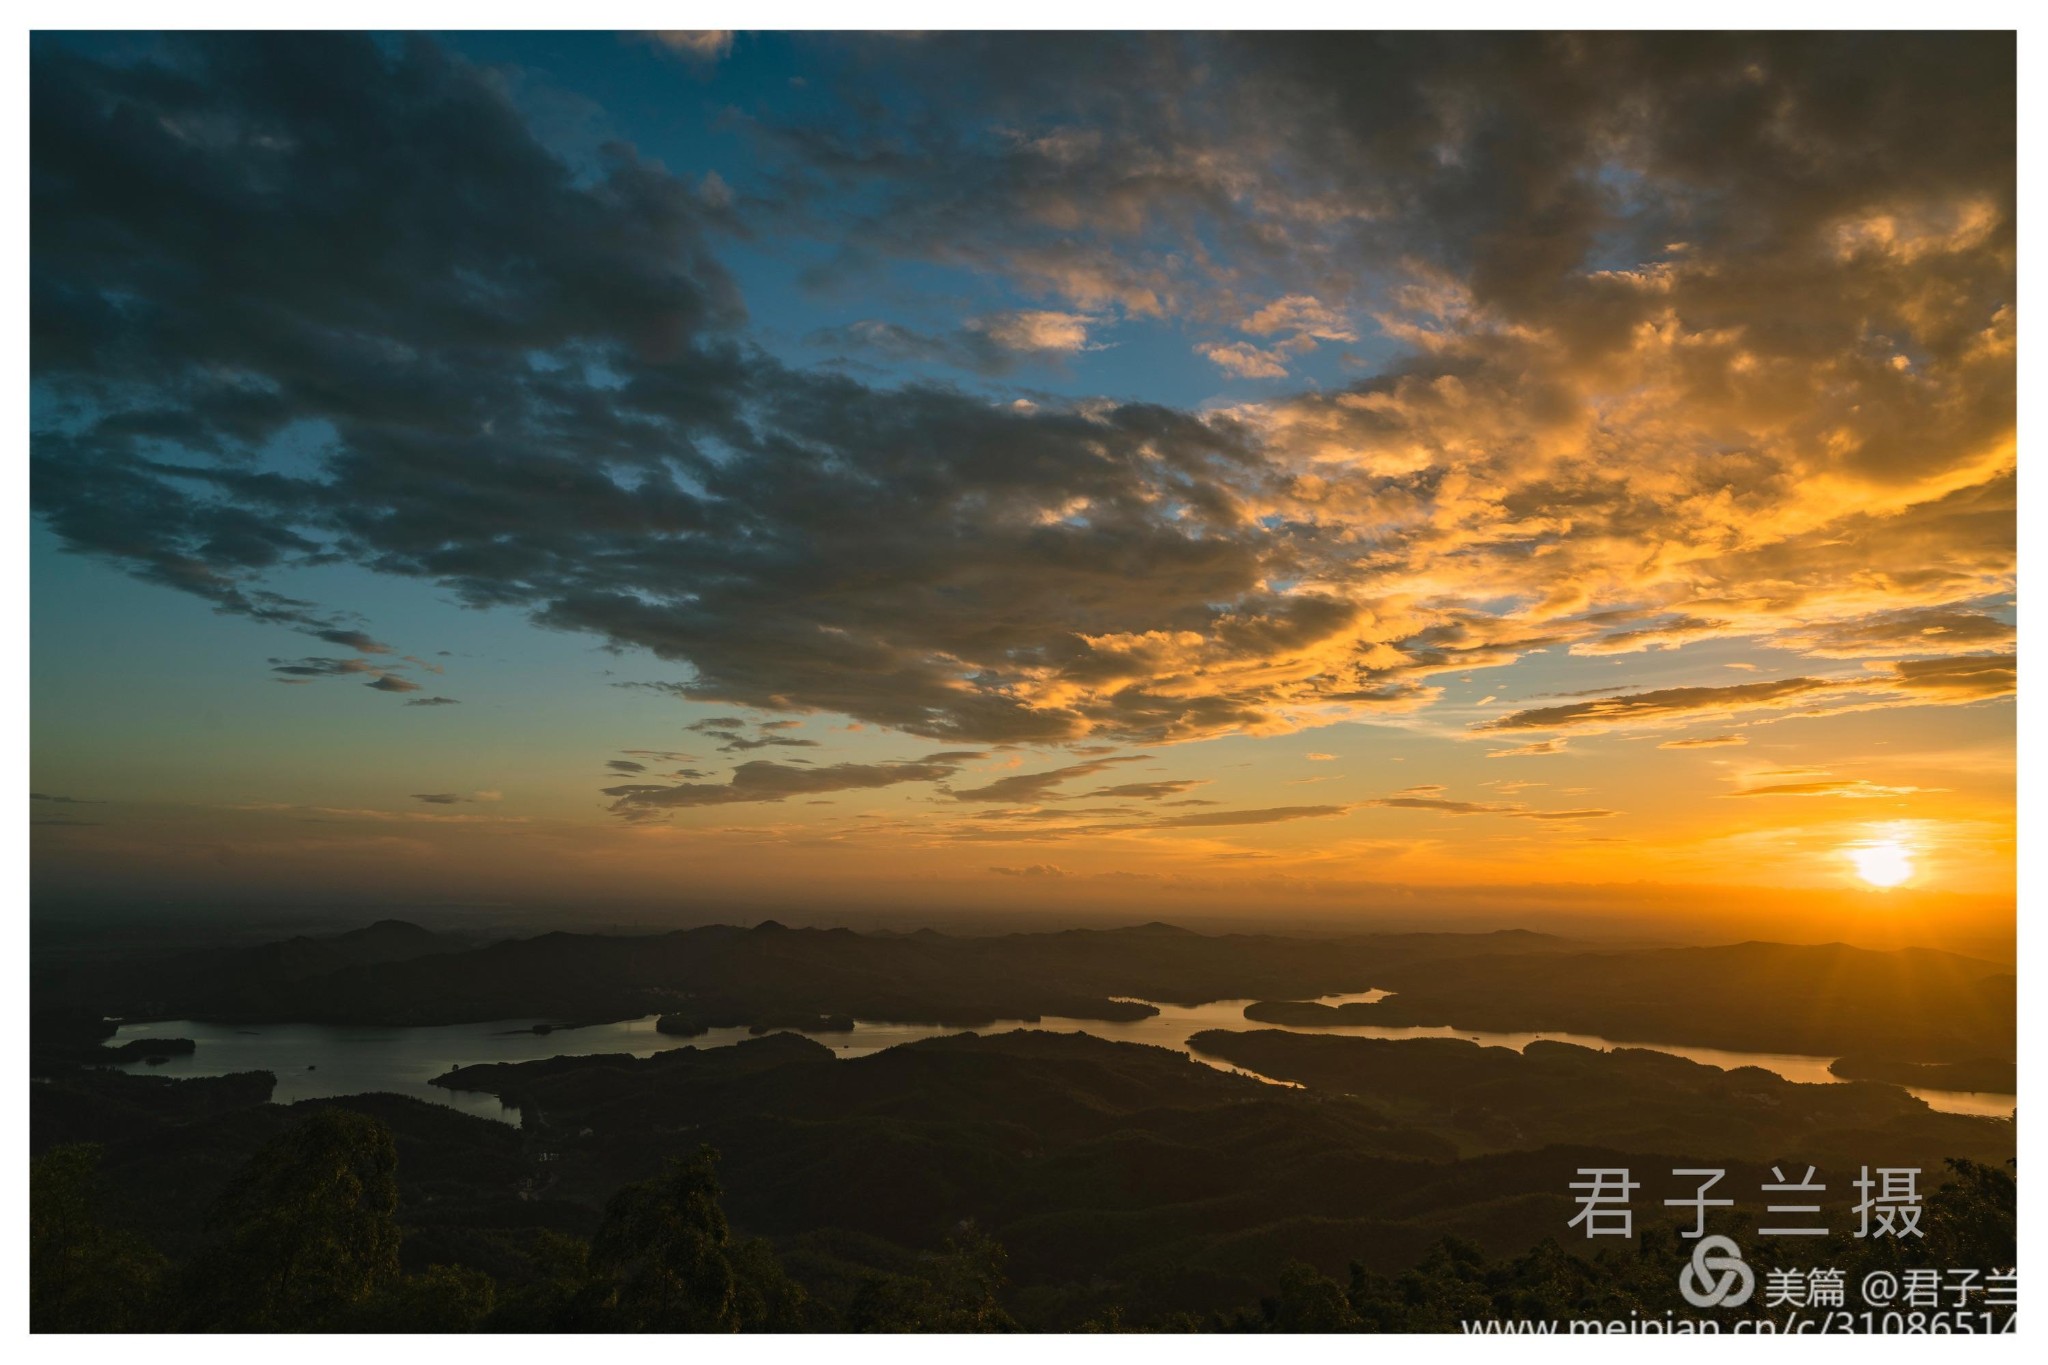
1885 863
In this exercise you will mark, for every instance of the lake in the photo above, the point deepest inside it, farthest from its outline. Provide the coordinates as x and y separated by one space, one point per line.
316 1061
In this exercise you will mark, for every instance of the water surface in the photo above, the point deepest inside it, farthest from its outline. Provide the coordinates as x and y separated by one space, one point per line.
317 1061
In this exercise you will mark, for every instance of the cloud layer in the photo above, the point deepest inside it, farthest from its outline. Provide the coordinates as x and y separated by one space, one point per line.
1697 338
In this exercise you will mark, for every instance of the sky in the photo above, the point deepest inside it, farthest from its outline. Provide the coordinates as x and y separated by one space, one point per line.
1134 472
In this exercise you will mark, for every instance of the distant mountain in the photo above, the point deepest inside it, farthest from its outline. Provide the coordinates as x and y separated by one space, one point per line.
388 940
156 984
1913 1004
770 975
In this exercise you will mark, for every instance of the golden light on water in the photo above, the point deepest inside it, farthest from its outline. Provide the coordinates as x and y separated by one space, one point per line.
1883 863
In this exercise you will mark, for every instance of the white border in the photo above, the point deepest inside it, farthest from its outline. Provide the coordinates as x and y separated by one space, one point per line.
932 15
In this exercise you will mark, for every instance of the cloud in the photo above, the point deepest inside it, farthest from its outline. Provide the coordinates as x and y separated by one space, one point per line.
1039 785
1974 678
1441 805
1516 812
699 44
1661 705
302 671
1678 338
1045 870
440 798
1852 788
1704 742
764 780
740 744
1533 749
356 640
1909 682
993 344
1035 331
1920 631
433 701
1245 360
321 667
63 800
1306 320
1148 791
1269 815
1302 315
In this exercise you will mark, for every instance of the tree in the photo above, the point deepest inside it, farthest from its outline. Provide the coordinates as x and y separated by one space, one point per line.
1309 1301
1972 1219
664 1260
305 1237
83 1276
957 1292
441 1298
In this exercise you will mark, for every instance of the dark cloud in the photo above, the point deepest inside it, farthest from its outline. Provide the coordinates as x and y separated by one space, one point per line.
440 798
63 800
625 765
391 682
433 701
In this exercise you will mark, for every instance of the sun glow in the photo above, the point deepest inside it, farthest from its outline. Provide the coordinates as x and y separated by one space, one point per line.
1885 863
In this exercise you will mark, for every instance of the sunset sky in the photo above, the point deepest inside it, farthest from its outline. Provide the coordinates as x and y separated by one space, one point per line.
989 471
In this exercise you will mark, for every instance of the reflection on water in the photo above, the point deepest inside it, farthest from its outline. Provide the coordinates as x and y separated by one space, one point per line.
315 1061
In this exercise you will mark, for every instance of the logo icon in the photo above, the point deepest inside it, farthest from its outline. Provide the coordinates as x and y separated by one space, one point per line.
1717 1276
